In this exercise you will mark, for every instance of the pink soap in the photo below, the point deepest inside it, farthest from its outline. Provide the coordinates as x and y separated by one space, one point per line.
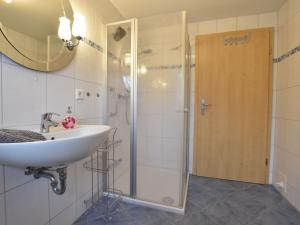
68 122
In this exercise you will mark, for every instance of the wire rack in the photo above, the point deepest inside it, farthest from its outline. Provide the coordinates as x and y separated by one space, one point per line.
105 203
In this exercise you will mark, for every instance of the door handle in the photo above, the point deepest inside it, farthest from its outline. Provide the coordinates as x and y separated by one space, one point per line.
203 106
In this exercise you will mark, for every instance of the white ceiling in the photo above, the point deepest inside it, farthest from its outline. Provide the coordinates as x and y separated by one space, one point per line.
197 9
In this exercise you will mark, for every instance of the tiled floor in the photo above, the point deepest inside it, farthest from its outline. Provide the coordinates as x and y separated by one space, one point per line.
213 202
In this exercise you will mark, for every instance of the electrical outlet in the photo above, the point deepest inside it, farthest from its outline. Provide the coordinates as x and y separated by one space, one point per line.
79 94
281 182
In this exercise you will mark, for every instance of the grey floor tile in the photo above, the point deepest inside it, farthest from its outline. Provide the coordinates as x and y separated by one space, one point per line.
245 202
271 217
195 219
198 181
240 185
264 194
162 221
221 188
203 201
226 213
147 216
285 211
212 202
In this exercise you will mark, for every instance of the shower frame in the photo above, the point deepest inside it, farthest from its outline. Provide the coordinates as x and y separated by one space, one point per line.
133 98
133 198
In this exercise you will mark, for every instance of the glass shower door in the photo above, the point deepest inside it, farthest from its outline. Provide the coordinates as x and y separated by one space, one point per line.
147 99
119 98
161 143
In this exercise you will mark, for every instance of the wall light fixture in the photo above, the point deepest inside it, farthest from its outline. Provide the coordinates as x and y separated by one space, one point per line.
78 30
7 1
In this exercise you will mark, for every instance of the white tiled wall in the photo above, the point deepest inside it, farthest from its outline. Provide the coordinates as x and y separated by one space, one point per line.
28 199
25 102
59 203
226 25
247 22
1 180
287 145
2 210
65 217
25 95
62 88
14 177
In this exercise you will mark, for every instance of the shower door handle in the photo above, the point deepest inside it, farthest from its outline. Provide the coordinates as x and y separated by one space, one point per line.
203 106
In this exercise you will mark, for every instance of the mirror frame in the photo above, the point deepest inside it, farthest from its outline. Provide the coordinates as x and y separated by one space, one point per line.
9 50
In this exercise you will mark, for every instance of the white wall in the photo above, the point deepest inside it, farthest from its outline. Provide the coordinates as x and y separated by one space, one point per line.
287 151
25 95
224 25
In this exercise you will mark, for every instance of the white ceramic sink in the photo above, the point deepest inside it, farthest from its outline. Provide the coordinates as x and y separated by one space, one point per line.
68 146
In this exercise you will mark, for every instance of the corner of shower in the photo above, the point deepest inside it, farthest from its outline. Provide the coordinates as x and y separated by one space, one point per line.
148 101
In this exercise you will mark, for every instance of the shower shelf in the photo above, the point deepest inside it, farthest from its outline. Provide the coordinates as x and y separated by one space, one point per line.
110 145
93 167
105 202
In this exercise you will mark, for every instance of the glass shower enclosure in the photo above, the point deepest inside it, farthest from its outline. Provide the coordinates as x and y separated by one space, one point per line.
148 101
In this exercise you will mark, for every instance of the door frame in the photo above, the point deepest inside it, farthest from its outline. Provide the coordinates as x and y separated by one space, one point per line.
270 97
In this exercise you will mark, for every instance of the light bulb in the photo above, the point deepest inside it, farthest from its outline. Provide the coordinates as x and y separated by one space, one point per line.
64 29
78 28
7 1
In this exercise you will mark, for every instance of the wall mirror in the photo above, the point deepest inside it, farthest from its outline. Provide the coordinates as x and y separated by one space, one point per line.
29 33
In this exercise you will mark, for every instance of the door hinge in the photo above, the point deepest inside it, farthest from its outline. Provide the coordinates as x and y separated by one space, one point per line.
267 161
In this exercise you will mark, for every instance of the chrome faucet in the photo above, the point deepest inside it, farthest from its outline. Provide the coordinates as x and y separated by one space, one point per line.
47 122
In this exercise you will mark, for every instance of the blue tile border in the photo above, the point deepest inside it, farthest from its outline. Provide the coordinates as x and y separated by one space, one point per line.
111 55
286 55
99 48
170 67
93 45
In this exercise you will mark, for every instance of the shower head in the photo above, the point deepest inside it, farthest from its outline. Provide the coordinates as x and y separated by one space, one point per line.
119 34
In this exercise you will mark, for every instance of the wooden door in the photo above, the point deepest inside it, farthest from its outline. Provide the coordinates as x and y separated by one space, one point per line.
233 77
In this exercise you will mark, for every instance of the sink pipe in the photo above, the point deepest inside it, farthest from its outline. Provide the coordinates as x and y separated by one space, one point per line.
58 187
